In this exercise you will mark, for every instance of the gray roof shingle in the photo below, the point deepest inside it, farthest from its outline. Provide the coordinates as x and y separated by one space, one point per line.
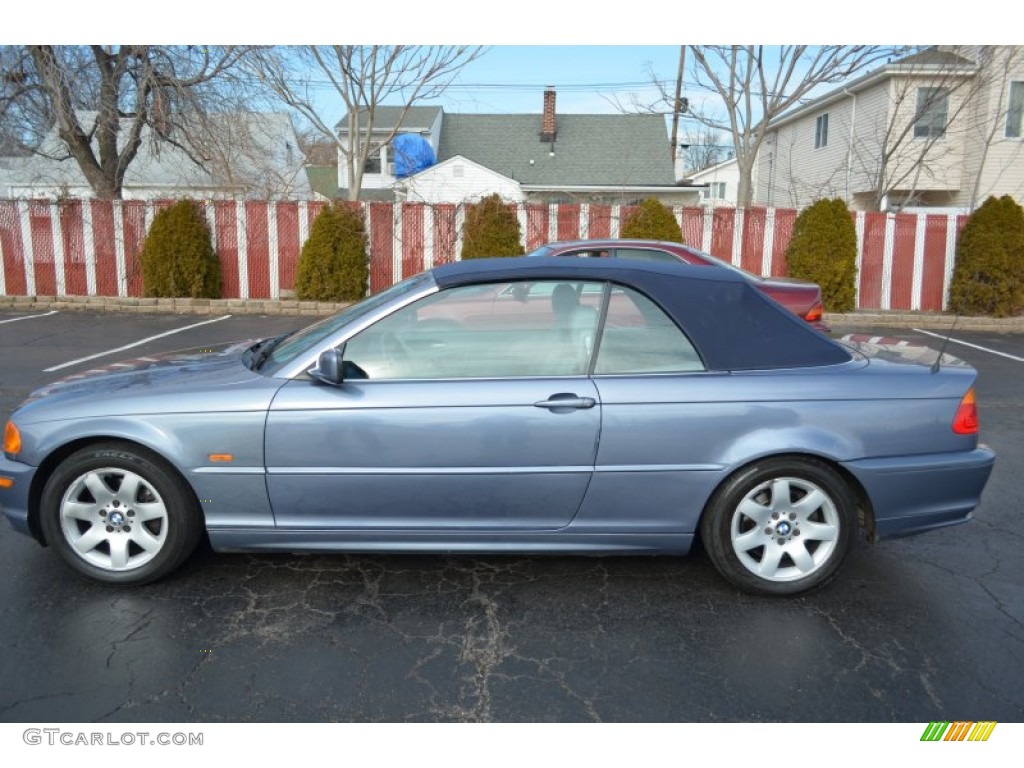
589 149
384 118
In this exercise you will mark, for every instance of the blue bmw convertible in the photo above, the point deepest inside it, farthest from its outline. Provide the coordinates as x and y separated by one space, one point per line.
508 406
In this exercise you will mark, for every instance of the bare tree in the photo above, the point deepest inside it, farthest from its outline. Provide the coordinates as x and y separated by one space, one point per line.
123 90
757 84
364 78
25 114
701 147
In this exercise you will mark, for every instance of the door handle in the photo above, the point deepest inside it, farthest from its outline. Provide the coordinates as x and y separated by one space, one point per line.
567 401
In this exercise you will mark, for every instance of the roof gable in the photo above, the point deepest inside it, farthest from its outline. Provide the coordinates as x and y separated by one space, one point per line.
441 167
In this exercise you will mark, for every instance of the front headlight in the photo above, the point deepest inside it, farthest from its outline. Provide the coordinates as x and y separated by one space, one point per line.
12 440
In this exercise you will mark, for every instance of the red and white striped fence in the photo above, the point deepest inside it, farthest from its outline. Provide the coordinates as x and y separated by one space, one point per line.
91 247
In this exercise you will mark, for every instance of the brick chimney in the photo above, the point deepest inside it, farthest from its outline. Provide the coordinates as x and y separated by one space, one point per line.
548 131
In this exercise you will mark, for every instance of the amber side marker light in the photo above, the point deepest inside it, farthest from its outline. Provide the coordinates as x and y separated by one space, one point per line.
966 420
12 439
221 457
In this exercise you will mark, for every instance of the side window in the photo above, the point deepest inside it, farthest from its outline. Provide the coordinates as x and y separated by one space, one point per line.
821 131
590 253
373 162
932 113
497 330
639 337
1015 111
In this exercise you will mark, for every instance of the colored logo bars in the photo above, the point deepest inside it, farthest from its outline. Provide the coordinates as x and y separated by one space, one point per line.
958 731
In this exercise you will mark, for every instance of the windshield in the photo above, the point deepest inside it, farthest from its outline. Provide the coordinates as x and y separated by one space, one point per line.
302 341
542 251
726 264
638 252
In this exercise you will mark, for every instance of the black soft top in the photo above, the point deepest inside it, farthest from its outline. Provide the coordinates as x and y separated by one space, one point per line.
733 325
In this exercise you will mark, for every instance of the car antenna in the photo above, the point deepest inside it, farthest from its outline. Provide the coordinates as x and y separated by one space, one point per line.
945 343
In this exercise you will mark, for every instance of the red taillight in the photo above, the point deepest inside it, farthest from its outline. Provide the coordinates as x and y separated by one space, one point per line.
966 420
815 313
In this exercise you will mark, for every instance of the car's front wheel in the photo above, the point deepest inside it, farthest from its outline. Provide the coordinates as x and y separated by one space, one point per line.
119 514
780 526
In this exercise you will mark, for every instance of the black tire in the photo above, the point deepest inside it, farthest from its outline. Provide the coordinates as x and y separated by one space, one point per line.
120 514
780 526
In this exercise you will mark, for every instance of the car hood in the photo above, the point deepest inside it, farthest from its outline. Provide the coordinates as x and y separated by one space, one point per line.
188 380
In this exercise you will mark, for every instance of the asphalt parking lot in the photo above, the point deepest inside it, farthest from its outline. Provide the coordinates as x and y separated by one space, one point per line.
921 629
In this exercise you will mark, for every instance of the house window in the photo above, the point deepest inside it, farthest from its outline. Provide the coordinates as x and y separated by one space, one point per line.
821 131
715 191
1015 111
373 162
458 171
932 113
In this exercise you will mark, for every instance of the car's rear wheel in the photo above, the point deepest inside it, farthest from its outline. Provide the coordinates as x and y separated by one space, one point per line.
780 526
119 514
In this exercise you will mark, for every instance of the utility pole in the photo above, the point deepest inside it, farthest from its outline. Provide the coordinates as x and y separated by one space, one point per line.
677 105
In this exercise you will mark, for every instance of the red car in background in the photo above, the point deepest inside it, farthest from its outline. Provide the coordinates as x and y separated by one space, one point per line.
800 297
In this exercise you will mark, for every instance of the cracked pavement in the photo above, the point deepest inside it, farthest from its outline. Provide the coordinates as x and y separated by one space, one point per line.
919 629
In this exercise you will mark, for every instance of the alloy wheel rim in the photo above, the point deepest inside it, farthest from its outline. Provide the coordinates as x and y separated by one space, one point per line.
114 519
785 529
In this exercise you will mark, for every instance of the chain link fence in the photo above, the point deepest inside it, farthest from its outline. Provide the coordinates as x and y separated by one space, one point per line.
91 247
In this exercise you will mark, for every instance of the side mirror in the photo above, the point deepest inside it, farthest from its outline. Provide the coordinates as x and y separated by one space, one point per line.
329 367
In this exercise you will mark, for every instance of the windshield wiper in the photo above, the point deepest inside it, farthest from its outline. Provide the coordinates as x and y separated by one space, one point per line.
263 349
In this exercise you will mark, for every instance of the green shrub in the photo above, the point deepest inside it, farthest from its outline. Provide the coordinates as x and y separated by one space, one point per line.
491 229
823 249
988 278
177 257
333 263
652 221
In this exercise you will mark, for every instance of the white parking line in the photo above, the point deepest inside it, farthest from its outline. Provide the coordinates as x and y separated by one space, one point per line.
972 346
133 344
29 317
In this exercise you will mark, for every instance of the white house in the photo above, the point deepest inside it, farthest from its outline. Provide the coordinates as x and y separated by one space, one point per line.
379 170
719 183
234 156
550 157
457 179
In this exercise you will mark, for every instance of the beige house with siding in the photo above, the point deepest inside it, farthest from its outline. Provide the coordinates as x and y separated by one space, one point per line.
940 130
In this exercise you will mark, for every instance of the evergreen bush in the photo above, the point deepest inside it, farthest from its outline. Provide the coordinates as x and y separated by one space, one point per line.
652 221
823 249
988 278
333 264
177 258
491 229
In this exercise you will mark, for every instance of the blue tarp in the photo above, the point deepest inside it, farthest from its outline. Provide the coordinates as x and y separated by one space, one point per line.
412 153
